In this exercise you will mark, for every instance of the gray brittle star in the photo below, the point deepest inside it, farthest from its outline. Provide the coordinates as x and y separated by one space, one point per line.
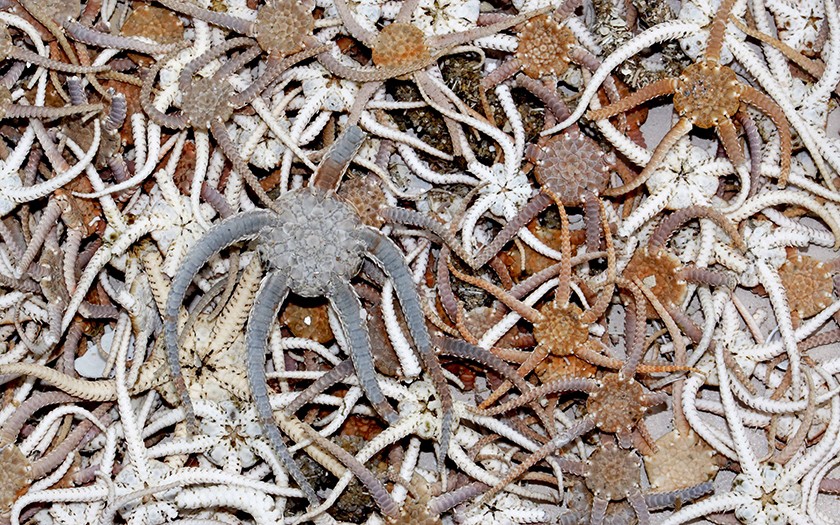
312 246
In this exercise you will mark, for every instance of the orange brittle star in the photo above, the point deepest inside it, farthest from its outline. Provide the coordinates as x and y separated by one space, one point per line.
706 94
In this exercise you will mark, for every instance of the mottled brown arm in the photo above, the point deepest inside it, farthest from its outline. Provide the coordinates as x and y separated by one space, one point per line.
765 104
660 88
682 127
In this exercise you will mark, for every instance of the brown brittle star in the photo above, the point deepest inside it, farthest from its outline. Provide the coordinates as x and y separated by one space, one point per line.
616 404
572 170
543 49
561 328
401 49
706 95
611 476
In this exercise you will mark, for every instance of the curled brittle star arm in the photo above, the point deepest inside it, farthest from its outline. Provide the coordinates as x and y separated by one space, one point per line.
456 39
552 387
670 324
202 303
46 223
386 253
352 26
718 503
270 297
440 504
346 304
546 94
28 193
506 70
605 296
635 326
13 425
464 350
681 128
729 138
178 121
237 228
365 476
103 390
660 88
274 68
528 213
444 285
369 74
196 64
670 224
413 218
74 439
564 283
222 20
798 440
776 197
592 220
658 33
219 131
812 67
765 104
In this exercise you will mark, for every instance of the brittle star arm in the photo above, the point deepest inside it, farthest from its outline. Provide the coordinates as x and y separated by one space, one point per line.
335 163
377 491
338 373
660 88
765 104
681 128
561 440
270 297
388 256
659 33
346 304
239 227
219 132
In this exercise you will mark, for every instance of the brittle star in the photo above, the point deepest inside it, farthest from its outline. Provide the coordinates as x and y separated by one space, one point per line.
313 246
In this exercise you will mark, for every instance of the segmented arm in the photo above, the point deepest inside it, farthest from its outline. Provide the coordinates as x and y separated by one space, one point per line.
658 500
320 385
346 304
337 159
377 491
270 297
227 232
392 261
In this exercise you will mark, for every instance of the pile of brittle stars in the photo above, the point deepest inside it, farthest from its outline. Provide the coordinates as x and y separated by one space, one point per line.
419 261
